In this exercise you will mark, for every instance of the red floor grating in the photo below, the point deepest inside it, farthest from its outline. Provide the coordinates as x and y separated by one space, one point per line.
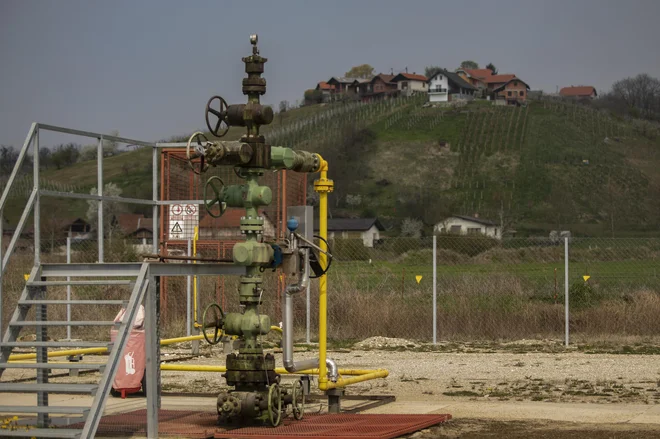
171 423
202 425
342 426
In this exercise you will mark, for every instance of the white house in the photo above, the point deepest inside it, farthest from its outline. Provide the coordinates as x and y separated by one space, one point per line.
409 83
469 225
447 86
367 229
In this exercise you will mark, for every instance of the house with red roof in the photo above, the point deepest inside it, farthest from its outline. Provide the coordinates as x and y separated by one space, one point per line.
514 91
326 90
579 92
409 83
496 81
475 77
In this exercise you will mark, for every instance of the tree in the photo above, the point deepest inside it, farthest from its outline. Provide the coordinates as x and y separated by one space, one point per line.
284 106
110 147
313 97
429 71
492 68
412 227
8 157
364 71
44 158
110 209
469 65
65 155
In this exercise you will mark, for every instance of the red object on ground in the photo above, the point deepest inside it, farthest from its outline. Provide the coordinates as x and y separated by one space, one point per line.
133 360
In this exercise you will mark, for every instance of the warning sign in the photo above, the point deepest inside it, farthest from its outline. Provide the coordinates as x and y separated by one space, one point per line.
182 221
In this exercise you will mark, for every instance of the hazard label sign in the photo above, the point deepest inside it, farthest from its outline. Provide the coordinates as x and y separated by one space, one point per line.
183 219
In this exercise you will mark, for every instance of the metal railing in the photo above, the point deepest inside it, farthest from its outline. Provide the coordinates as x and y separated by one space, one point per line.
33 204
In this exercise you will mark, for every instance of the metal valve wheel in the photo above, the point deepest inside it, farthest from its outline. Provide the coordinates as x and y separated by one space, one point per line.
298 400
274 404
221 126
199 152
217 196
217 323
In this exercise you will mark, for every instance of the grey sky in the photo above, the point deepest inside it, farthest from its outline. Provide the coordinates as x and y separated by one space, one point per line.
146 68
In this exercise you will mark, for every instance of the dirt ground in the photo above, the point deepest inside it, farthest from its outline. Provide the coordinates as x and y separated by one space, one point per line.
523 372
474 428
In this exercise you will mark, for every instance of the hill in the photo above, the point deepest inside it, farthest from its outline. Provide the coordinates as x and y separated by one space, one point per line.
550 165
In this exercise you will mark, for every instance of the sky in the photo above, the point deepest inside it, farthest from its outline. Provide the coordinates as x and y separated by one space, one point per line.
147 68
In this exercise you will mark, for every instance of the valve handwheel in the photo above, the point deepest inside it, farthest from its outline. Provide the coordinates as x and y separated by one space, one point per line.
217 196
217 323
220 127
199 149
274 404
298 400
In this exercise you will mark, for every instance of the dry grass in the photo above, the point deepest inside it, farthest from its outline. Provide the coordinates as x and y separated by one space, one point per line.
467 309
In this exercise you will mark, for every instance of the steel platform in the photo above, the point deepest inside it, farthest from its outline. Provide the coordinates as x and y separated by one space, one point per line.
203 425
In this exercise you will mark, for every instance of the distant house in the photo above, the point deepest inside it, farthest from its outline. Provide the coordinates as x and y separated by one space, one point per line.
326 90
367 229
580 92
379 87
135 225
469 225
496 81
475 77
446 86
228 226
514 91
409 83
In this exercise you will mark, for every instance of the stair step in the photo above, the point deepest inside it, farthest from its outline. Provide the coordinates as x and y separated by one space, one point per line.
56 344
43 432
50 388
60 365
56 410
65 323
73 302
57 283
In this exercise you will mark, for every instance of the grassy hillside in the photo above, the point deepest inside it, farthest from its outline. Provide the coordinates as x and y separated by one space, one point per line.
545 166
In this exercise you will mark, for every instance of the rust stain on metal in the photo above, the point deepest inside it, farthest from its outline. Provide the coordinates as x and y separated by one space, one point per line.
340 426
203 425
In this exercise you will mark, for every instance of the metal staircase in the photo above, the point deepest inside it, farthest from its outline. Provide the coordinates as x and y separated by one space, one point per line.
35 294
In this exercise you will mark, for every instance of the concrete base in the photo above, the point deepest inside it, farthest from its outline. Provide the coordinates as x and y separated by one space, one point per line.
334 400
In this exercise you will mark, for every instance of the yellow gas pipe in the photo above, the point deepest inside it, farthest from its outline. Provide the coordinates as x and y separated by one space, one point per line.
324 186
66 353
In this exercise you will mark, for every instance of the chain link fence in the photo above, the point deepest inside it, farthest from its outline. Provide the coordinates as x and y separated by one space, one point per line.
486 289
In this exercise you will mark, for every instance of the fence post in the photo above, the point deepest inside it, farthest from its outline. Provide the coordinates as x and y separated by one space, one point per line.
566 317
68 289
188 296
435 310
99 192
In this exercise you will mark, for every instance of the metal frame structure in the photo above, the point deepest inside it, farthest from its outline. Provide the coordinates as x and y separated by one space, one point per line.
146 284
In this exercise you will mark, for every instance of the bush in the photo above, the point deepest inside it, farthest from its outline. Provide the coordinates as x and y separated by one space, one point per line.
468 245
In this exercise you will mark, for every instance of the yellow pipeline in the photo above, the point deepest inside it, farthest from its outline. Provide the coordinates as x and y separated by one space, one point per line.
363 374
323 186
66 353
195 238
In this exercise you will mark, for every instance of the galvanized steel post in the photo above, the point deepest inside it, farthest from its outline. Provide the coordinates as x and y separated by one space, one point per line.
99 192
566 316
435 309
37 201
68 289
